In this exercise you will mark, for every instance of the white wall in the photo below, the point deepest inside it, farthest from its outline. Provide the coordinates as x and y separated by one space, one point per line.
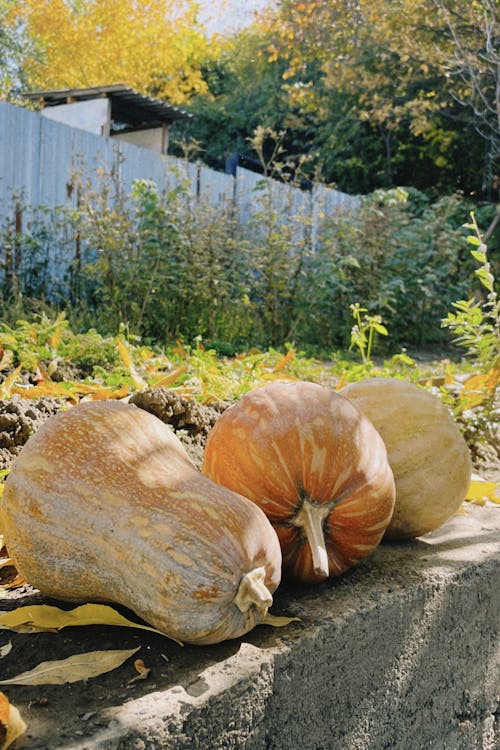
155 139
92 116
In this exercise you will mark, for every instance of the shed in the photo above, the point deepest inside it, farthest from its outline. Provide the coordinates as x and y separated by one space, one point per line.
113 111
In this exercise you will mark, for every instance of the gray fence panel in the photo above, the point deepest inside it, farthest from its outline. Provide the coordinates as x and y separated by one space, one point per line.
249 192
138 163
39 159
19 158
216 188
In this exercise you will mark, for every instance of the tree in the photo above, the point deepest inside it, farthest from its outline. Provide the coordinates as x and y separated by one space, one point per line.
244 90
474 70
13 46
155 46
426 68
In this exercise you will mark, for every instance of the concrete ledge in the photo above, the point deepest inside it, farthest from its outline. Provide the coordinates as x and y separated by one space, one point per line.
402 652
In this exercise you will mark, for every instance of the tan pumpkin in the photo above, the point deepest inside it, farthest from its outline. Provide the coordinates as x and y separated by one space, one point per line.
315 465
104 504
427 453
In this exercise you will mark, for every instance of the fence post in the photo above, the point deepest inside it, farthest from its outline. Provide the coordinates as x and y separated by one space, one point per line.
18 230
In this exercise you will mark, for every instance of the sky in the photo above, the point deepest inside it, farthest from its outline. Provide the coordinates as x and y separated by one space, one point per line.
228 15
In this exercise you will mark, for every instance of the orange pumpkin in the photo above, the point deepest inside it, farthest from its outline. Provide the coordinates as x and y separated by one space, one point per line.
315 465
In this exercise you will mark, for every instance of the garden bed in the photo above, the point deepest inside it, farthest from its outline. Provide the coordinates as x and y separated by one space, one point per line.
410 631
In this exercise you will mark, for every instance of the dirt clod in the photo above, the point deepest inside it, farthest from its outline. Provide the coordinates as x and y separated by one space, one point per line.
190 420
19 419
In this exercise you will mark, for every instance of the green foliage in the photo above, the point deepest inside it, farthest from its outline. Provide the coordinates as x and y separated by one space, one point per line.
170 266
475 325
364 330
377 94
476 322
244 92
45 338
15 45
399 253
167 265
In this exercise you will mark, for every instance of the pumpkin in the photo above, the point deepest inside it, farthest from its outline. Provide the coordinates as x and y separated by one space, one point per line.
427 453
103 503
315 465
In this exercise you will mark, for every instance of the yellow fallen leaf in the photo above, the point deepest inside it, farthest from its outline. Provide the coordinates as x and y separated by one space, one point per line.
10 578
9 382
73 669
478 387
11 724
285 360
481 490
126 358
102 393
278 621
169 379
48 388
47 618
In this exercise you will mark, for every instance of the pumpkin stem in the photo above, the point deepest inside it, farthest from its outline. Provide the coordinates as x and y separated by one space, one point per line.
310 518
253 590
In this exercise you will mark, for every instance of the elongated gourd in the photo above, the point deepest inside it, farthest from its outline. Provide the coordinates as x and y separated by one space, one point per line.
427 453
315 465
104 504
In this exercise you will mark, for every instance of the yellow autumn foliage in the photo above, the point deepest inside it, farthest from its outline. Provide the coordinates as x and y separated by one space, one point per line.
155 47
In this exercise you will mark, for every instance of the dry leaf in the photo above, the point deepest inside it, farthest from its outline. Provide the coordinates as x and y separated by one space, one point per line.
278 621
480 491
49 388
126 358
41 374
6 358
11 724
4 650
10 578
167 380
142 671
55 339
284 361
73 669
477 387
46 618
7 386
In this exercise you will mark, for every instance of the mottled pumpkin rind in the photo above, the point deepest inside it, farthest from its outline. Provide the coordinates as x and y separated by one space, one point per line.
104 504
285 442
428 455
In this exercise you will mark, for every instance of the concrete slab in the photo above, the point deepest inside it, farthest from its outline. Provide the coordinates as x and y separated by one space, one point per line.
402 652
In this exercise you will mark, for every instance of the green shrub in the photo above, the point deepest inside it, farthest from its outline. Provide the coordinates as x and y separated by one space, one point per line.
170 266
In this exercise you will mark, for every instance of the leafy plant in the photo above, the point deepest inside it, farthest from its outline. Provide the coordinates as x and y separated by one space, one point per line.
476 324
364 330
476 327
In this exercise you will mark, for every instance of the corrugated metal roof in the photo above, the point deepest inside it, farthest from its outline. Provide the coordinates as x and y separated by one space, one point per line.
127 105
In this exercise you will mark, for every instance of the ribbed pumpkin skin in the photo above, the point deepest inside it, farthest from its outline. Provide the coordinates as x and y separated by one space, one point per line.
103 503
290 445
427 453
